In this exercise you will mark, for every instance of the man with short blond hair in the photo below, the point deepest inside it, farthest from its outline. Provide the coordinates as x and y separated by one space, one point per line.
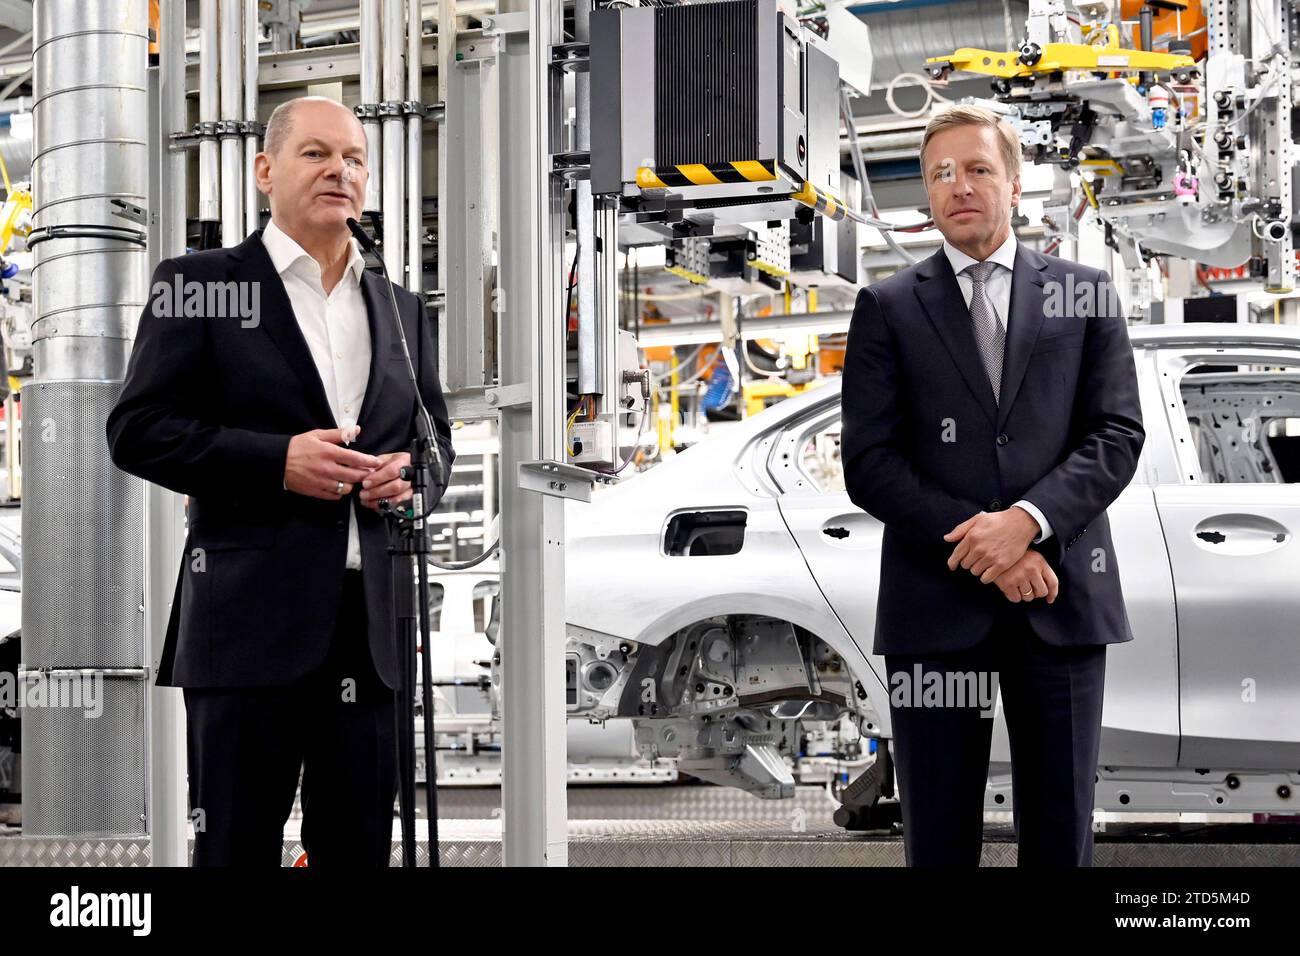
989 433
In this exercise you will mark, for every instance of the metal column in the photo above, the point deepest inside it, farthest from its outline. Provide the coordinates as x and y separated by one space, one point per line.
394 141
252 195
230 46
371 66
84 770
164 528
415 143
209 110
534 755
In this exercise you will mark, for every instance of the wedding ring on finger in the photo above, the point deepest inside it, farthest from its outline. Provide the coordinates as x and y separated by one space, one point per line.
338 487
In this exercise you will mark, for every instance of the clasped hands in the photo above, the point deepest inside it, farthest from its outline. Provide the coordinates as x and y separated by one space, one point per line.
994 546
318 466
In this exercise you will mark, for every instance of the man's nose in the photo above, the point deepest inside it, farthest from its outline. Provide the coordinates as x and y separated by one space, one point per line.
335 169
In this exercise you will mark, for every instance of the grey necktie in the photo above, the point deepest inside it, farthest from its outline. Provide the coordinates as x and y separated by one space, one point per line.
989 334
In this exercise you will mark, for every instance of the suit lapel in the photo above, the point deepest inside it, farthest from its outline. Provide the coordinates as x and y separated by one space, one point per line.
946 307
1024 322
383 339
277 319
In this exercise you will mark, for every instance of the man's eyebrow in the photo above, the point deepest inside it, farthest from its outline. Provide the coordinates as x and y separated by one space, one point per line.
354 148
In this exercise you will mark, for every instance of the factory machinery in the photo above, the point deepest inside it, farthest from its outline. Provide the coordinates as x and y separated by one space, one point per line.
742 176
1187 151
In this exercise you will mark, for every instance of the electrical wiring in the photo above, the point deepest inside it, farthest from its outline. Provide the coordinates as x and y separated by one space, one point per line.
743 349
1274 74
695 376
931 96
682 364
573 278
770 376
586 403
635 445
488 551
868 199
568 427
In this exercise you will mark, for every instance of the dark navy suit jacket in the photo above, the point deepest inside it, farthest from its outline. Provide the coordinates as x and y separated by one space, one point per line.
925 445
207 409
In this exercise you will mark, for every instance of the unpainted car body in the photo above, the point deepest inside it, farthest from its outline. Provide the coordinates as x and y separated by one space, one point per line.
725 597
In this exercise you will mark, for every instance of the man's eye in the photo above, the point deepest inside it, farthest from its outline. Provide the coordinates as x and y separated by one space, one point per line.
354 161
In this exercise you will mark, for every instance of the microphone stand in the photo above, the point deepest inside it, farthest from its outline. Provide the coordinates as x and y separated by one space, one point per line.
408 541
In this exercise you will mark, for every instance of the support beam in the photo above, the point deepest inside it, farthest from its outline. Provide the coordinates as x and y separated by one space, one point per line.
164 519
534 759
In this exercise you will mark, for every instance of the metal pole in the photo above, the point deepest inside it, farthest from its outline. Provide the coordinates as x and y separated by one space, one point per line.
164 525
394 248
230 50
209 150
251 193
11 447
371 64
415 146
588 366
489 493
535 826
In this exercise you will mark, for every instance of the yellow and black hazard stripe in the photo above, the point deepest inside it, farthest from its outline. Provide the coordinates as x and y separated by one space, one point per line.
706 174
687 274
823 202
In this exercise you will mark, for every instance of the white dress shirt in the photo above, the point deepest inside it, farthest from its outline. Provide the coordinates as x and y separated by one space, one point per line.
997 290
337 332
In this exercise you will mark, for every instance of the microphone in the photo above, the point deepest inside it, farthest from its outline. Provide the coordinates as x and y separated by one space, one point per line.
362 237
424 423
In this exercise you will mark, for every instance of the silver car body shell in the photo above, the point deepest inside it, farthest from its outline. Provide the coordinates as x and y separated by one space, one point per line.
621 583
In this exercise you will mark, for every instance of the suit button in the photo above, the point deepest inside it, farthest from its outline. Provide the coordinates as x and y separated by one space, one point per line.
1003 439
340 523
995 505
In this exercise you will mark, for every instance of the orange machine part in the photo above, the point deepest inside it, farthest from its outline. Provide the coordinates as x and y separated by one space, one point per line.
1166 21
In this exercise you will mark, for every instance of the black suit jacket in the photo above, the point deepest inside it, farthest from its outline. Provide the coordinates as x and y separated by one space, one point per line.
925 445
207 409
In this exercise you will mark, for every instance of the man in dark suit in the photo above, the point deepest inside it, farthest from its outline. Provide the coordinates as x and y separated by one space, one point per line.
990 417
268 384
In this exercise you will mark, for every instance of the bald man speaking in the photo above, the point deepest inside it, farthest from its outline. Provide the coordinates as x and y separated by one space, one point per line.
268 384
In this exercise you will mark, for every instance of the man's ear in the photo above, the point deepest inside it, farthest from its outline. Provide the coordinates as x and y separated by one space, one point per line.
1015 190
262 173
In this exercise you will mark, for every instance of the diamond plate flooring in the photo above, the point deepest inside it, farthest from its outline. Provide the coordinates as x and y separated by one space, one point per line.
697 826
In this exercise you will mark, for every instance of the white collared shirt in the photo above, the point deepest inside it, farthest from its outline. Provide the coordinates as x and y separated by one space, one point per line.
997 289
337 332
